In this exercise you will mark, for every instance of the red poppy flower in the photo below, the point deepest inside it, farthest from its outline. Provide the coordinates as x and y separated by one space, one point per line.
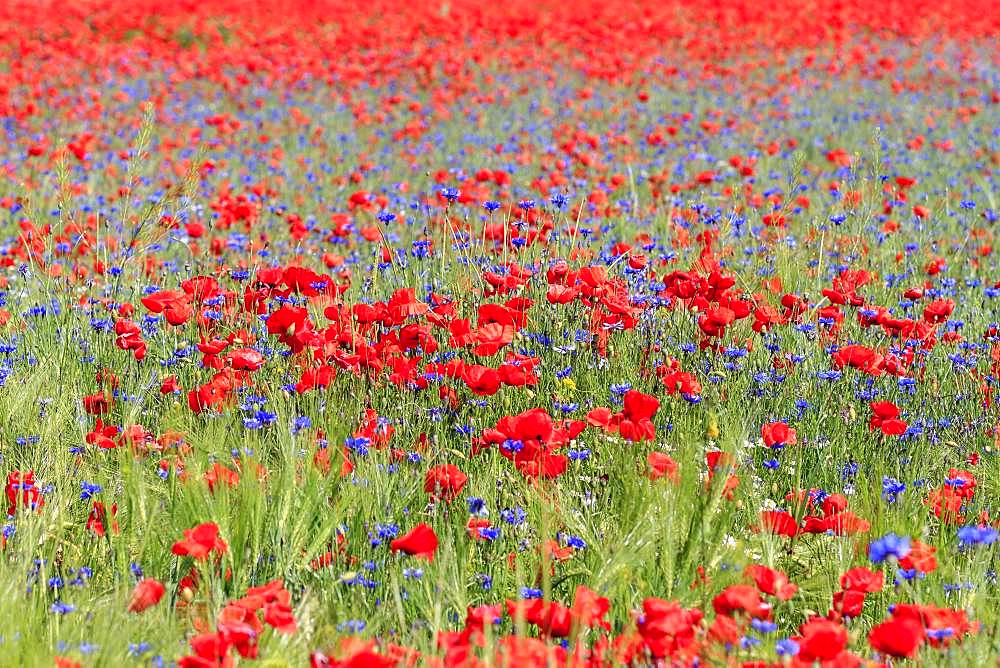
546 465
821 640
420 541
600 417
779 522
885 416
22 491
771 581
920 557
667 629
482 380
209 649
863 580
842 524
473 526
292 326
96 404
98 518
279 616
933 618
636 418
491 337
169 385
724 630
552 619
589 608
741 598
939 311
848 603
661 464
245 359
777 434
128 336
898 637
172 304
200 541
858 357
102 435
146 594
445 482
219 473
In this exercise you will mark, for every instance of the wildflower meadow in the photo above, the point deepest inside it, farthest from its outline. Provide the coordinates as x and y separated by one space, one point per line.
519 334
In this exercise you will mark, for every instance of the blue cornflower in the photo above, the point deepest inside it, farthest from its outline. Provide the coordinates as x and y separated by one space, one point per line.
61 608
387 530
265 417
891 488
514 516
301 423
138 649
889 545
476 505
620 389
358 445
761 626
512 445
89 489
352 626
786 647
940 634
489 533
974 535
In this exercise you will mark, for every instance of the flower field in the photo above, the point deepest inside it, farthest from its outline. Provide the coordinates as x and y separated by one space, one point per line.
462 334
